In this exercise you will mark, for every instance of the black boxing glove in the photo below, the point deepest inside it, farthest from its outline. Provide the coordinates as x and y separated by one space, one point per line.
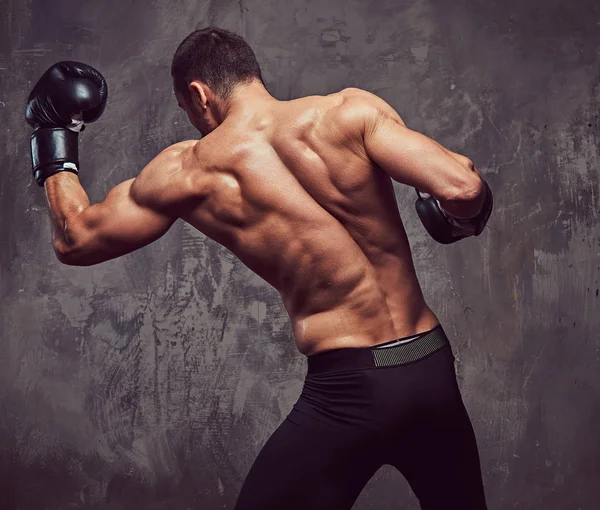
446 229
67 96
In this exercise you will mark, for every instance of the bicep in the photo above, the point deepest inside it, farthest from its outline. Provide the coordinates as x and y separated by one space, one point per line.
120 223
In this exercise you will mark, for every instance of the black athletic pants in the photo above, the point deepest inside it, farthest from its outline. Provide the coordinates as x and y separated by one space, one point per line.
397 403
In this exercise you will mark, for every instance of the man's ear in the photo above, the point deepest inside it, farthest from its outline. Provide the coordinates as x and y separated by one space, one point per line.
198 94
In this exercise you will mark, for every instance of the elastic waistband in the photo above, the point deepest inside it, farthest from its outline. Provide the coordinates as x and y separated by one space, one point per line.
396 352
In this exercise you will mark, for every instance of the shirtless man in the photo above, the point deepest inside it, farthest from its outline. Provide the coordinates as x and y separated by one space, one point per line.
301 192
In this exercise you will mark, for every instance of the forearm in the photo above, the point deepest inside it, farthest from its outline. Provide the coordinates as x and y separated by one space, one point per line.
66 200
469 201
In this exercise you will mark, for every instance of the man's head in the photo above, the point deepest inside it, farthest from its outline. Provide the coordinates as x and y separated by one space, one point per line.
206 68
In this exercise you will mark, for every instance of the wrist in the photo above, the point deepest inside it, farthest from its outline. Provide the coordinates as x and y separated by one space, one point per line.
54 150
61 178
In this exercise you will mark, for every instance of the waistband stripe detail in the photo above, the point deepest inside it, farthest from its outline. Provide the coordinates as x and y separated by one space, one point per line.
396 352
411 351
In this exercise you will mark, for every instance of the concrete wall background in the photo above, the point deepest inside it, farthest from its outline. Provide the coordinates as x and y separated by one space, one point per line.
152 381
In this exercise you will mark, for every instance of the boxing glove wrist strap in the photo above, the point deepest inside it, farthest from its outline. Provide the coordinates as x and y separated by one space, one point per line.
54 150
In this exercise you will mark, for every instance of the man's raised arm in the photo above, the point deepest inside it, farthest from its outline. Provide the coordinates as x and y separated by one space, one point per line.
133 214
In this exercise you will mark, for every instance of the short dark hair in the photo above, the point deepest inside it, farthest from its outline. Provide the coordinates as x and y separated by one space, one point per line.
219 58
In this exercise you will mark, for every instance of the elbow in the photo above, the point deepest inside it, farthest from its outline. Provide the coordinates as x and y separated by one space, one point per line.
69 254
467 187
471 190
464 197
64 254
74 246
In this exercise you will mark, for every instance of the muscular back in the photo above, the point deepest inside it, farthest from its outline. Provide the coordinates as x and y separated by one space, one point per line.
292 192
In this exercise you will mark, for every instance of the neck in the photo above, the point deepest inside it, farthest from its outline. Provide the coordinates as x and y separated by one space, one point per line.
247 99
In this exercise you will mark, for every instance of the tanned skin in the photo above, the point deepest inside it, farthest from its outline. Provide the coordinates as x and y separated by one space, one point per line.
300 191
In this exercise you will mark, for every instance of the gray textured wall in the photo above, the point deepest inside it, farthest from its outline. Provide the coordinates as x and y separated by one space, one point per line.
152 381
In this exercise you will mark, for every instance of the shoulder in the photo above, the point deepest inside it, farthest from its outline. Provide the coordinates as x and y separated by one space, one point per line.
361 108
171 158
372 105
175 155
166 180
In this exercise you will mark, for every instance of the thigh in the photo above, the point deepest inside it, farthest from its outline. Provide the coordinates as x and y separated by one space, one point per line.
441 462
307 465
446 472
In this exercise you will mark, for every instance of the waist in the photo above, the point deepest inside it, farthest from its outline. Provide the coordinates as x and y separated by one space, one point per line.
401 351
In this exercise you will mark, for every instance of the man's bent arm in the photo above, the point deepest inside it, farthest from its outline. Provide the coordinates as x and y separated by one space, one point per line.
416 160
84 234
